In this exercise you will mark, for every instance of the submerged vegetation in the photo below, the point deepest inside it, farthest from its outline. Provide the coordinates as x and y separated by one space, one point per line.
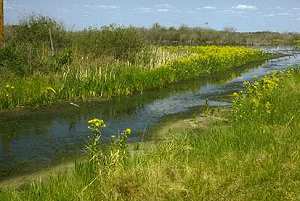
43 64
254 156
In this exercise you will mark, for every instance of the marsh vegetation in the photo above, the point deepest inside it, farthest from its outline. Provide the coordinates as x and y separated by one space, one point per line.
251 152
112 61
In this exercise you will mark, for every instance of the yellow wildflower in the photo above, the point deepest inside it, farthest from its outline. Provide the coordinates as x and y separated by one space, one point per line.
235 94
128 131
98 123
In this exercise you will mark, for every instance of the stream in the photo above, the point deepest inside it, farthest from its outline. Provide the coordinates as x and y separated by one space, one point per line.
43 137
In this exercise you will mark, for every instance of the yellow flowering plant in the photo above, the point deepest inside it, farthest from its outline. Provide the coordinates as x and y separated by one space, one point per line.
257 102
94 146
96 124
107 157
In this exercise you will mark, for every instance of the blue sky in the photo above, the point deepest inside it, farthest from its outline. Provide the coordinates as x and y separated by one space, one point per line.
244 15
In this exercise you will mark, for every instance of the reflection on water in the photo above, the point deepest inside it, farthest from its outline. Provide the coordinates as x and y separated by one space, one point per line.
41 138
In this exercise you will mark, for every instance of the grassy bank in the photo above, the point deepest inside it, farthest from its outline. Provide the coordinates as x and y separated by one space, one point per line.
43 63
87 79
253 156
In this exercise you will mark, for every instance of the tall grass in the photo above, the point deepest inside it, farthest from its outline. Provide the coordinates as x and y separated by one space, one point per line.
87 79
255 156
43 63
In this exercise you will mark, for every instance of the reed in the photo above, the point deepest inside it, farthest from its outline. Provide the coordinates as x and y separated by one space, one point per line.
87 78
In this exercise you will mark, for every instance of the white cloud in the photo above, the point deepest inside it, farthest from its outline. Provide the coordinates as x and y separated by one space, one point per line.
162 10
143 10
277 14
233 12
245 7
101 6
269 15
167 8
209 7
296 8
108 6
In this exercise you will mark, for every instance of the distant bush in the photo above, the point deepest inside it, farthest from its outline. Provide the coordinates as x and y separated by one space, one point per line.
28 47
11 60
121 43
24 59
36 30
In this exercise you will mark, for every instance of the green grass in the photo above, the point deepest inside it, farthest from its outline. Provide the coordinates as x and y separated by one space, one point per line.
254 156
98 63
89 79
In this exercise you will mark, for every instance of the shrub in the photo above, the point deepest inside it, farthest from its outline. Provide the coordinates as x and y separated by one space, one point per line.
11 60
119 42
36 30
